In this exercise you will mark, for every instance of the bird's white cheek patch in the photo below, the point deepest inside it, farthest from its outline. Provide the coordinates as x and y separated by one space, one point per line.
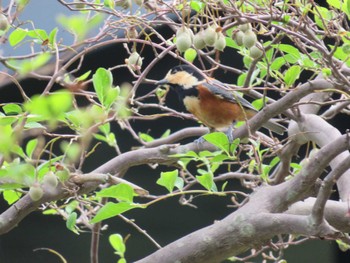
192 105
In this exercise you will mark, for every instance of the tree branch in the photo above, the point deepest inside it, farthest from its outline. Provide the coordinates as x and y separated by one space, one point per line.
326 189
234 235
313 128
239 231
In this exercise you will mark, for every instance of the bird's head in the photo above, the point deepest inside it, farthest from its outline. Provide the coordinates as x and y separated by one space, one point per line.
183 76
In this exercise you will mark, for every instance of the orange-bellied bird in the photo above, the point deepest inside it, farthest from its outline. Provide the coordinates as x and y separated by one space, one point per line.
214 106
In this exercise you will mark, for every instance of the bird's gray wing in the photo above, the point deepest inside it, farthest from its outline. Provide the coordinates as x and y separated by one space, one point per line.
220 90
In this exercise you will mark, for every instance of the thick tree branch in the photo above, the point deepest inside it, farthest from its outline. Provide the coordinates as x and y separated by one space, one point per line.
234 235
313 128
326 189
336 213
238 231
281 105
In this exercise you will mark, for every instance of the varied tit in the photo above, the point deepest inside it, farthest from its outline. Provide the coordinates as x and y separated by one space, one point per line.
213 105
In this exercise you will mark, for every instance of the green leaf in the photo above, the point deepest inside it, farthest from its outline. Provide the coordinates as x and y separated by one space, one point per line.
51 106
33 125
218 139
251 166
12 108
339 54
70 223
38 34
346 48
52 36
326 72
197 5
259 103
122 192
335 3
84 76
11 196
230 42
241 79
289 49
30 147
326 15
168 179
33 64
113 209
347 9
71 206
60 102
17 36
179 183
79 24
109 3
50 212
278 63
111 96
274 161
224 186
117 243
146 137
291 75
105 128
206 180
166 133
190 54
18 150
342 245
7 120
72 150
21 4
102 81
7 140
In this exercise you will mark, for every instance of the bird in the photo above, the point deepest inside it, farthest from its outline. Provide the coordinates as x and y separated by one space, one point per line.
210 101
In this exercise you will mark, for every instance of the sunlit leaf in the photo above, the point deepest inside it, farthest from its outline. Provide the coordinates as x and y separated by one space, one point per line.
197 5
291 75
334 3
11 196
190 54
117 243
52 36
70 223
17 36
103 81
30 147
168 179
38 33
206 180
12 108
259 103
122 192
84 76
31 64
111 209
218 139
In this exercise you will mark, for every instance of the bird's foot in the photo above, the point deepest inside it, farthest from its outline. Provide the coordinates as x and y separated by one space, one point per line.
229 134
200 140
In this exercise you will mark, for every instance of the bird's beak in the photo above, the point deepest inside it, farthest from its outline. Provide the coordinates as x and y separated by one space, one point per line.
162 82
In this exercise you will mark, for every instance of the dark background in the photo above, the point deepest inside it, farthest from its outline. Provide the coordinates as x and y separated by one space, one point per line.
165 221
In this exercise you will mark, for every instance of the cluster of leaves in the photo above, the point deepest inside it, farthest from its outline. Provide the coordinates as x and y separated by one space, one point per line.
23 166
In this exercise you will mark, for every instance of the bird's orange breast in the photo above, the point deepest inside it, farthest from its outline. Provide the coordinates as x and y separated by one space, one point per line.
213 111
